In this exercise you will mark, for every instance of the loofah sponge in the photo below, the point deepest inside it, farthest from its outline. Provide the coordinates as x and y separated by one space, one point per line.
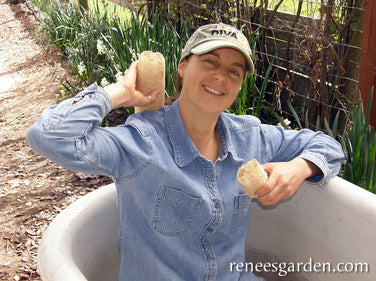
150 77
251 176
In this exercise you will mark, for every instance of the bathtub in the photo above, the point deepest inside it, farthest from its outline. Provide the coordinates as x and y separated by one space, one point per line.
321 233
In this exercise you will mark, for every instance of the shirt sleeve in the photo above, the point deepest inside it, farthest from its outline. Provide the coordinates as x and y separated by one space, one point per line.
317 147
69 135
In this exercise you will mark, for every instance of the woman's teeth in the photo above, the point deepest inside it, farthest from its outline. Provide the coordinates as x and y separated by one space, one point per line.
215 92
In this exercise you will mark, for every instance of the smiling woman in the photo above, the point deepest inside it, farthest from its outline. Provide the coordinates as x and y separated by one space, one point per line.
179 201
209 87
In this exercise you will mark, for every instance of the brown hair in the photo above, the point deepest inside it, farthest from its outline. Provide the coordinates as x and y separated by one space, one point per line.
179 86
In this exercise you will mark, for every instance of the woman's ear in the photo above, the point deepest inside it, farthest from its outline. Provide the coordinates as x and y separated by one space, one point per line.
181 67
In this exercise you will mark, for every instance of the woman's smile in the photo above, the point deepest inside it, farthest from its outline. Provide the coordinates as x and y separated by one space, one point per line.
213 91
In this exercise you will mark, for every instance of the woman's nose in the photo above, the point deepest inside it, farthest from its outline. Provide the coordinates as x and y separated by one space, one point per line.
219 75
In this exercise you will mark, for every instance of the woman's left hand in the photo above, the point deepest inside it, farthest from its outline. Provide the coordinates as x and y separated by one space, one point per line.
284 180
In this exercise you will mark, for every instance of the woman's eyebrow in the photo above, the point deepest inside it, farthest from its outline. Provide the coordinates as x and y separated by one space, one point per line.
238 64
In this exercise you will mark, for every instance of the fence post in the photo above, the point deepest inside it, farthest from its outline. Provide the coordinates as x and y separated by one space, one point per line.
367 68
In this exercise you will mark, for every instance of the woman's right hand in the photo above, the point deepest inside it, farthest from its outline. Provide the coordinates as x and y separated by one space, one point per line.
124 93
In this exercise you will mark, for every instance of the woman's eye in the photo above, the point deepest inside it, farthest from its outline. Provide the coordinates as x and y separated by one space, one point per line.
235 73
209 61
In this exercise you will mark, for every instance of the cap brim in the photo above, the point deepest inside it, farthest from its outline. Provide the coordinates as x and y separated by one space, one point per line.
209 46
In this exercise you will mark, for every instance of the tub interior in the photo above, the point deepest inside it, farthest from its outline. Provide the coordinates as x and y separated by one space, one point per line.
333 223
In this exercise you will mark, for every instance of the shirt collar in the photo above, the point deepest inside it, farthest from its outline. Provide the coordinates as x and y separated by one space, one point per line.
184 150
227 144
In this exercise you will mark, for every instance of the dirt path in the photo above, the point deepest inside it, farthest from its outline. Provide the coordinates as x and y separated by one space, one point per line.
32 189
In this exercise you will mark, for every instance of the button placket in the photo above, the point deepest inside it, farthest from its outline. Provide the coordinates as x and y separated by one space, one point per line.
211 183
211 262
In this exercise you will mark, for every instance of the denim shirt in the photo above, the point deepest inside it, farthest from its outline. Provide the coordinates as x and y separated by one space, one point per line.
182 217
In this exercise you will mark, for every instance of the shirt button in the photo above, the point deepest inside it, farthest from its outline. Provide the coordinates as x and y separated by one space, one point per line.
217 205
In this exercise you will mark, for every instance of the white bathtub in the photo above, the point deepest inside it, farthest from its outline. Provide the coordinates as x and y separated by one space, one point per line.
334 224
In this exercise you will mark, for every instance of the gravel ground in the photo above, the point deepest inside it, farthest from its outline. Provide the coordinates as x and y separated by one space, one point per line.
32 189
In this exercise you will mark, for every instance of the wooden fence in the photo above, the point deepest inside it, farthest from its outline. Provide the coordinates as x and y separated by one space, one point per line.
367 76
307 67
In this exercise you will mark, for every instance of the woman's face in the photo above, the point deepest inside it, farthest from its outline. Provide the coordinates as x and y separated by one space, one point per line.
211 81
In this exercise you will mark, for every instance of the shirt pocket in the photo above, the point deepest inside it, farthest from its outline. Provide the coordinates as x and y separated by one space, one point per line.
174 211
242 204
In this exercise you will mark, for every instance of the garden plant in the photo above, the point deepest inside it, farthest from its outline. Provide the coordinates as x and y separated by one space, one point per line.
100 43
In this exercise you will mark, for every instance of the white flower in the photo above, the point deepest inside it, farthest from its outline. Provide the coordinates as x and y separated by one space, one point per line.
111 54
101 47
104 82
286 121
81 68
119 75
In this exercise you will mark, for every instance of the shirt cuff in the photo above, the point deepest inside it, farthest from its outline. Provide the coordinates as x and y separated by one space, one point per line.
320 162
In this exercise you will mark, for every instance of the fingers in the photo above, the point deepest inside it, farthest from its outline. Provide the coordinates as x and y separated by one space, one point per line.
282 183
274 191
149 99
269 193
131 75
268 167
154 94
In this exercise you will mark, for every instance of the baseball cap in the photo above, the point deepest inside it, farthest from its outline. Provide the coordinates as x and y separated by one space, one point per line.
214 36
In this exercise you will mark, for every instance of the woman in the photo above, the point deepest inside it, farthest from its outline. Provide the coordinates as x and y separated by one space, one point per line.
183 215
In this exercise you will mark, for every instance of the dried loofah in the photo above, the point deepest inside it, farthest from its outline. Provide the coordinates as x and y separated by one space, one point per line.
251 176
150 77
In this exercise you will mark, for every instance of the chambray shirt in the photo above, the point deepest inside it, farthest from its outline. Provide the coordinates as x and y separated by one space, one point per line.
182 217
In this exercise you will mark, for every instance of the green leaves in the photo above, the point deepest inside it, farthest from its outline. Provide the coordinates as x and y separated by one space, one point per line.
102 42
250 98
359 145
